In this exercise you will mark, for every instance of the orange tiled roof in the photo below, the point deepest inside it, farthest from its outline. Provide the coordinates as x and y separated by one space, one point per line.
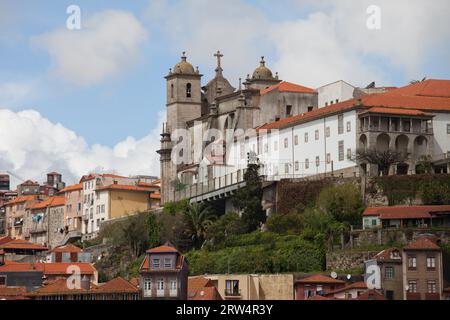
117 285
124 188
70 248
318 278
288 87
29 183
47 268
57 287
371 295
75 187
156 196
13 293
386 255
205 294
318 298
5 239
405 212
19 244
50 202
430 95
21 199
162 249
422 244
355 285
155 183
397 111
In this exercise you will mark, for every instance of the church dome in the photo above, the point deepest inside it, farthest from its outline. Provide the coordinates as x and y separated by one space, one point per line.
262 72
183 67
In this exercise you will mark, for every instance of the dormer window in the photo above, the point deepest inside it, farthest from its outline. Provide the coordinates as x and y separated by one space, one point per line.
188 90
168 263
156 263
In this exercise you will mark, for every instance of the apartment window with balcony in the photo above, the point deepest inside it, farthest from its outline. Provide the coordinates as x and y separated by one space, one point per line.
232 288
431 286
431 263
167 263
412 286
340 124
389 273
156 263
412 262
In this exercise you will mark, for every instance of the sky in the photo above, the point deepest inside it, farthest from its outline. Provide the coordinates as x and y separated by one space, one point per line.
93 100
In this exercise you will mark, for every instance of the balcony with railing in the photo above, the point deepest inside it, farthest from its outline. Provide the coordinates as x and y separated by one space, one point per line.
373 123
233 293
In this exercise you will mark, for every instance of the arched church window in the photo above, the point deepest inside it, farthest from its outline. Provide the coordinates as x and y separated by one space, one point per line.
171 90
188 90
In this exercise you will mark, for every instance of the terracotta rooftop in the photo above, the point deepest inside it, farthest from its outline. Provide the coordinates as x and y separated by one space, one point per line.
318 278
405 212
75 187
21 199
57 287
422 243
124 188
47 268
162 249
5 239
400 112
19 244
355 285
386 255
156 196
117 285
50 202
371 295
12 293
201 288
288 87
430 95
70 248
318 298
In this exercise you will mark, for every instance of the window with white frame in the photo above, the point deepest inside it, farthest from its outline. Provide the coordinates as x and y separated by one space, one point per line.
389 272
341 150
156 263
167 263
431 263
160 284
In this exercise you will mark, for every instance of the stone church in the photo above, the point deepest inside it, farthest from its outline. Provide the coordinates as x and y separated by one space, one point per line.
215 110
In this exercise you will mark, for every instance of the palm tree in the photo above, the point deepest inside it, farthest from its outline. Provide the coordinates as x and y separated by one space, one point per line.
197 218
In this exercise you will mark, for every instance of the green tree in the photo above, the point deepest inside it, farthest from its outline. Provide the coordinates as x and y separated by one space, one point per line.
197 219
153 230
248 199
342 202
435 193
227 225
290 223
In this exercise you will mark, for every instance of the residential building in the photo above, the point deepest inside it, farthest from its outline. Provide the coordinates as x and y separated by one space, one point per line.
28 187
407 217
334 93
201 288
254 287
21 250
314 285
73 213
15 214
4 182
391 268
423 270
44 223
164 274
107 197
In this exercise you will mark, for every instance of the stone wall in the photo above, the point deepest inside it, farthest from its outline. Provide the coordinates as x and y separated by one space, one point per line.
364 238
348 260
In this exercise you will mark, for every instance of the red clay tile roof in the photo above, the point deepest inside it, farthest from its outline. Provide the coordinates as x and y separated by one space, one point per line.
156 196
12 293
117 285
19 244
206 294
50 202
162 249
405 212
355 285
386 255
29 183
125 188
5 239
370 295
288 87
430 95
318 298
318 278
21 199
70 248
75 187
47 268
422 243
57 287
395 111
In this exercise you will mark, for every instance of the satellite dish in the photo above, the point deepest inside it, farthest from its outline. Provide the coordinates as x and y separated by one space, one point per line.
349 276
334 275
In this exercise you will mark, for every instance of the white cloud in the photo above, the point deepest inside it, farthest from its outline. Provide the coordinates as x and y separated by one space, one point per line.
14 93
32 145
108 43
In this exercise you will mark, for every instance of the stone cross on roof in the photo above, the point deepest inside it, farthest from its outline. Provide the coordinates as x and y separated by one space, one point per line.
219 57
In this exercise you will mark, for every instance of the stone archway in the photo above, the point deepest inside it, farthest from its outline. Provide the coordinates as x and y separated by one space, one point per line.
363 142
401 144
420 147
383 141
